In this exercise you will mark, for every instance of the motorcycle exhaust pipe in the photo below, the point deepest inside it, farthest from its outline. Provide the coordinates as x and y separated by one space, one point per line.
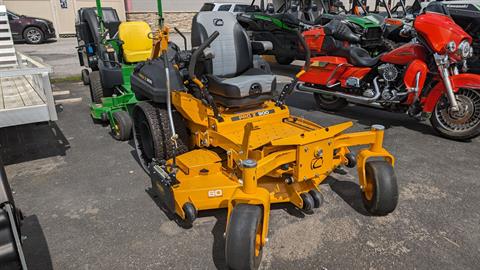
304 88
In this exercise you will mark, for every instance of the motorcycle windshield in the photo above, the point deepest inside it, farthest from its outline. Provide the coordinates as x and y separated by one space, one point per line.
438 30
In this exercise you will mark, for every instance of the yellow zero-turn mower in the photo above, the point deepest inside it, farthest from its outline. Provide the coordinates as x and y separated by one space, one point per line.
210 135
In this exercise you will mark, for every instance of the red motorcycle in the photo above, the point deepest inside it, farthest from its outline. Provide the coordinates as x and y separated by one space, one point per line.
421 78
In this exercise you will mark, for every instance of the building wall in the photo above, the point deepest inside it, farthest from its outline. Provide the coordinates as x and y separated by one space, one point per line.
62 18
179 13
181 20
195 5
173 5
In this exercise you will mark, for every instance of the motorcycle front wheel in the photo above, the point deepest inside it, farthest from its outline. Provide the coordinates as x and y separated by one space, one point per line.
458 125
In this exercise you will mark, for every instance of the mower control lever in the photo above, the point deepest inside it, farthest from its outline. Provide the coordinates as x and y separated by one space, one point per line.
196 54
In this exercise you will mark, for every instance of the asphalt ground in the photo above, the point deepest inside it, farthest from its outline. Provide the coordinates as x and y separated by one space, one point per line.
88 206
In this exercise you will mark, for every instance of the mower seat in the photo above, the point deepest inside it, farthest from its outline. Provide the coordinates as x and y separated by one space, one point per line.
232 79
137 46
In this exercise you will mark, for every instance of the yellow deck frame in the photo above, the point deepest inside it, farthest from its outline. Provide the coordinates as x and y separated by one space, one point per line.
212 176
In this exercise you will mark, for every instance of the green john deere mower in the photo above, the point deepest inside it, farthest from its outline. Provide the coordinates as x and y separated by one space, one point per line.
109 50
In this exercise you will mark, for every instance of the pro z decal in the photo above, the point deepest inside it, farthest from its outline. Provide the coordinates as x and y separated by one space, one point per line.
251 115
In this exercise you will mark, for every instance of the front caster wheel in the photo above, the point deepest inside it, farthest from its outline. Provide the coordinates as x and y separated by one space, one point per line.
351 160
190 213
308 202
122 129
243 247
317 198
85 77
380 194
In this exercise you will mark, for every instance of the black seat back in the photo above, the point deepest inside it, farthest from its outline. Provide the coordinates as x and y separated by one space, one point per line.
87 25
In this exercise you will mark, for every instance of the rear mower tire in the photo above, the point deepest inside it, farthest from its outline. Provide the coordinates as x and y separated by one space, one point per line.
330 103
122 130
242 249
380 196
152 133
96 89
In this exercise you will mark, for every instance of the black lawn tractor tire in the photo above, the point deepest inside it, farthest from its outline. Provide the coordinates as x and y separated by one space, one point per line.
241 236
96 89
85 76
152 133
122 131
329 103
33 35
384 198
284 60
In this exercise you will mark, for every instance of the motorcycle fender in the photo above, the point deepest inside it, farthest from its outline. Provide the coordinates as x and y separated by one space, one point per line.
466 80
410 77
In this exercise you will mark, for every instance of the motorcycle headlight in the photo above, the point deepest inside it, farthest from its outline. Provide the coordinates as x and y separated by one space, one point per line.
464 49
451 46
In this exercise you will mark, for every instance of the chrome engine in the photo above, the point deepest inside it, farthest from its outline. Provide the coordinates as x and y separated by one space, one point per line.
388 72
386 90
390 84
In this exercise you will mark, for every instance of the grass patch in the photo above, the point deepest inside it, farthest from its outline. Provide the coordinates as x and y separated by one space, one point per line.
74 78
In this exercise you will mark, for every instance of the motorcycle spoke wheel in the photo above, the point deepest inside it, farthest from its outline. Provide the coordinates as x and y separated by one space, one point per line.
467 118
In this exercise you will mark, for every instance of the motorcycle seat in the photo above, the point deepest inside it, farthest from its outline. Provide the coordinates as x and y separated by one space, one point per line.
360 57
356 56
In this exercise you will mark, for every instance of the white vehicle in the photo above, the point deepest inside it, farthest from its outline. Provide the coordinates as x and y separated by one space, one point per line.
235 8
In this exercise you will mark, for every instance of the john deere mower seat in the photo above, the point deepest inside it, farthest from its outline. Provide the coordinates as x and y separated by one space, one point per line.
87 24
137 46
232 80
